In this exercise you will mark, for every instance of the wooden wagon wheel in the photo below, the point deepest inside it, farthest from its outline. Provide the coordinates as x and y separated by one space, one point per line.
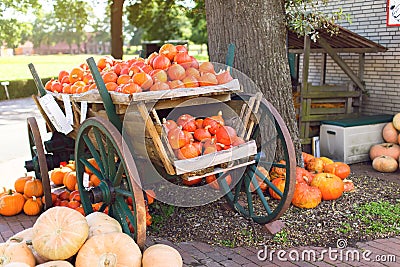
99 139
39 159
247 197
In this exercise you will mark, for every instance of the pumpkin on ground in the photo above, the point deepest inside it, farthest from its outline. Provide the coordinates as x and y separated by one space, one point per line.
100 223
306 196
348 185
389 133
59 233
384 149
33 206
33 187
55 264
326 160
161 255
109 250
385 164
303 176
396 121
57 175
280 184
25 236
11 203
19 184
340 169
11 252
331 186
306 158
278 172
316 165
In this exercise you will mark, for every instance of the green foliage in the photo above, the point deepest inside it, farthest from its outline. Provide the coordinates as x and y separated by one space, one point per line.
13 31
160 214
20 89
197 17
160 19
305 17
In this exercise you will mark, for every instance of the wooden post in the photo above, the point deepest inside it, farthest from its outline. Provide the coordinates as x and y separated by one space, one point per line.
323 69
304 90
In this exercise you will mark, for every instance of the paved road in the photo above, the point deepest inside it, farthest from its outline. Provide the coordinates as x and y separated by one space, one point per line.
14 144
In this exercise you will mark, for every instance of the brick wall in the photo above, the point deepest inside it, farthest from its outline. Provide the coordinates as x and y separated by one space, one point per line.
382 70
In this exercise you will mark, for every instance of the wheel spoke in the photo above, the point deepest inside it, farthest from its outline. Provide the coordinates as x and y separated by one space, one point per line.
127 212
100 144
94 152
123 192
118 175
119 215
110 159
269 183
248 195
92 168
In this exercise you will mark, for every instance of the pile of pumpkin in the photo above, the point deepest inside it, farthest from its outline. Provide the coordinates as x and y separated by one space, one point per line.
386 156
172 67
190 137
28 194
62 237
320 179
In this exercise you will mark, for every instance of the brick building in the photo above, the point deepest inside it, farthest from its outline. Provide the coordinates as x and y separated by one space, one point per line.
381 70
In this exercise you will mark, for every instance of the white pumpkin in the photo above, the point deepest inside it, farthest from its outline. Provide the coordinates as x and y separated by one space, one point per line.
55 264
161 255
101 223
25 236
13 252
109 250
59 233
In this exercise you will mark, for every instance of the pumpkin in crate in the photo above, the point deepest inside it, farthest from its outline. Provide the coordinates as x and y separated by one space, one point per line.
331 186
112 249
100 223
33 187
211 180
306 196
385 164
384 149
340 169
59 233
11 203
161 255
17 254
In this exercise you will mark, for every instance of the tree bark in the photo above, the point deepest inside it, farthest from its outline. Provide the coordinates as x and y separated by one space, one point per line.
257 28
116 29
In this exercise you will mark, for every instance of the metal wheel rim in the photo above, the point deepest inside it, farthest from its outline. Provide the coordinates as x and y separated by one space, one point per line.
247 177
35 140
116 199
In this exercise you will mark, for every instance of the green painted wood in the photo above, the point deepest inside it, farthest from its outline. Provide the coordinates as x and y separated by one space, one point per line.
105 95
319 118
320 95
230 56
37 80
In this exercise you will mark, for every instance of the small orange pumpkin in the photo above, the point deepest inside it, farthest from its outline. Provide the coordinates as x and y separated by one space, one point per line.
316 165
306 197
70 180
277 172
33 187
32 206
57 175
331 186
211 180
19 184
340 169
11 204
280 184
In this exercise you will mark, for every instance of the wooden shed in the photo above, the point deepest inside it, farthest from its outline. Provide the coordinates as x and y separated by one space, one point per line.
317 102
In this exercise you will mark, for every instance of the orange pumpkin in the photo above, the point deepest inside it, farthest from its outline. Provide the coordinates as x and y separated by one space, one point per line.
316 165
340 169
263 185
303 176
19 184
57 175
33 187
306 197
70 180
94 163
306 158
277 172
74 195
348 185
331 186
32 206
211 180
53 198
11 204
280 184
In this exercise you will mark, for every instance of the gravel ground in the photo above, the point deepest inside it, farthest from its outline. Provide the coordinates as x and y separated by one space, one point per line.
322 226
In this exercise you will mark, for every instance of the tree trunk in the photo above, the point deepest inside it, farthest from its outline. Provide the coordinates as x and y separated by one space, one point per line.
116 29
257 28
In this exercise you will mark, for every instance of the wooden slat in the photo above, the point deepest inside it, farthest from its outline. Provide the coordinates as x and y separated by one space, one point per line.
156 138
310 118
320 95
194 100
205 161
327 111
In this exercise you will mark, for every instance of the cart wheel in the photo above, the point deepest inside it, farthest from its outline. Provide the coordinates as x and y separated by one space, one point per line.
247 197
39 159
99 139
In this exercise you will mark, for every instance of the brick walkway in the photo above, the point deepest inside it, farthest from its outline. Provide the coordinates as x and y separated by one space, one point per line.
381 252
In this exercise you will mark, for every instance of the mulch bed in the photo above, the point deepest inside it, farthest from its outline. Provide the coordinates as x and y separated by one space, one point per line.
321 226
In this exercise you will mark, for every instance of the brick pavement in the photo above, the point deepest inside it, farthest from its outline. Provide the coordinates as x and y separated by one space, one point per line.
381 252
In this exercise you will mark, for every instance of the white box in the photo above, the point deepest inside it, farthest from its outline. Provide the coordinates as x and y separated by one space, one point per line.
349 144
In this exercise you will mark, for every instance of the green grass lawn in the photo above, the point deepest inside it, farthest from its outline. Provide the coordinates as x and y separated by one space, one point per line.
16 67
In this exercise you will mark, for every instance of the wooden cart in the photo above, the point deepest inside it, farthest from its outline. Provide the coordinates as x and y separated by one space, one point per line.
125 137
